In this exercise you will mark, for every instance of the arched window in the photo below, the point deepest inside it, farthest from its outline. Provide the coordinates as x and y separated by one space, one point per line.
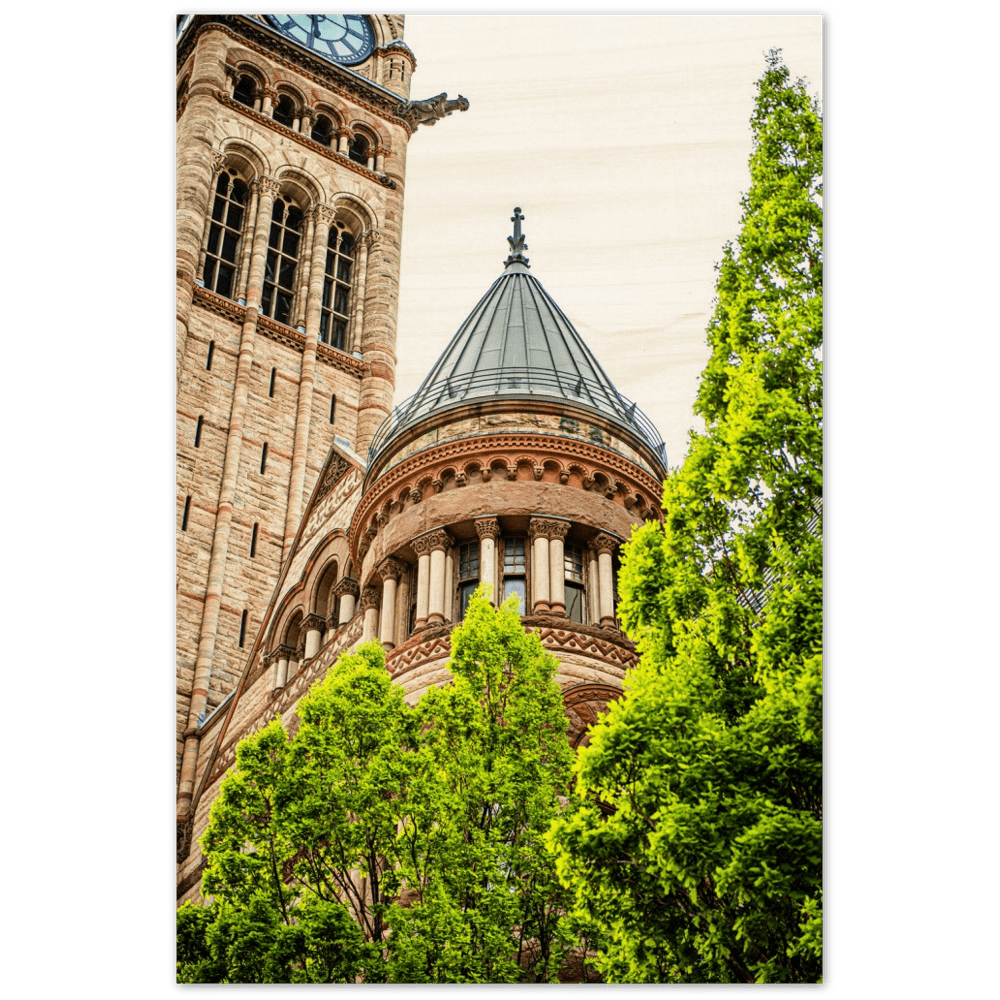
282 258
333 315
224 234
246 90
322 131
358 150
284 111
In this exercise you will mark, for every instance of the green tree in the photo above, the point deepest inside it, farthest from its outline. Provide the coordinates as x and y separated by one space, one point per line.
384 843
693 842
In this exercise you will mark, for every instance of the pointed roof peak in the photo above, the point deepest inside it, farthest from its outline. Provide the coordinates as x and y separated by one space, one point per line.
517 247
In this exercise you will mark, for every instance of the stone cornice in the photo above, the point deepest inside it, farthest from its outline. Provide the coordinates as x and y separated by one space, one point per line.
380 102
219 305
311 144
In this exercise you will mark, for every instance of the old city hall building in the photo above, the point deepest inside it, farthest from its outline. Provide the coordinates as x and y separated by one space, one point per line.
311 515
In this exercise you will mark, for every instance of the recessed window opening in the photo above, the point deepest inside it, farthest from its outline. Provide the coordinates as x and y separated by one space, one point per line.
333 407
515 571
224 233
253 542
333 314
246 91
270 388
211 351
284 111
358 150
322 131
282 259
468 573
573 563
197 433
263 458
184 516
243 628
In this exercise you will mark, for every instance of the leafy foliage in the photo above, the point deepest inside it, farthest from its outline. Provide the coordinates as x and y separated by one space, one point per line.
384 843
693 843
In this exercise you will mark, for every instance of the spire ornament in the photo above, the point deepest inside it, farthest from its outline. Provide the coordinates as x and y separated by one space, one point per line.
517 244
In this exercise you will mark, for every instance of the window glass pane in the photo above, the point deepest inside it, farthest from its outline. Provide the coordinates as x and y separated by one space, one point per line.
466 590
574 602
515 585
270 263
294 220
513 555
265 299
274 240
284 307
239 192
225 282
286 275
573 560
324 327
339 335
468 561
291 245
327 288
235 217
209 271
330 258
278 210
340 300
344 269
218 209
229 241
213 239
346 245
223 184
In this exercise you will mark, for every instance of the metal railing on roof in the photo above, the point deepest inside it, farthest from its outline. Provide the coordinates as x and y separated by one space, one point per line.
517 383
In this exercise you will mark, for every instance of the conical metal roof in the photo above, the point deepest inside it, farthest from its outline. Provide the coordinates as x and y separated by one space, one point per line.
517 343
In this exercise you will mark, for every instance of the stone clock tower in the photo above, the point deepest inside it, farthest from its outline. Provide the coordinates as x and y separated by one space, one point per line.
291 154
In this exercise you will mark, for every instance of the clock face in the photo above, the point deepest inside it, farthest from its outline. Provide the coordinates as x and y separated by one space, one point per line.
342 38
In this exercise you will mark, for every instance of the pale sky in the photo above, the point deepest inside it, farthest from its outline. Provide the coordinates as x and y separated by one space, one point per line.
625 142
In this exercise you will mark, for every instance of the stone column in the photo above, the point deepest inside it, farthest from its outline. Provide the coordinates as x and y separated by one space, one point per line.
285 653
369 605
218 163
344 136
304 270
246 249
593 586
488 529
308 114
313 625
380 154
358 319
449 583
391 570
606 545
347 591
538 531
270 661
557 566
422 546
307 379
439 540
402 608
270 96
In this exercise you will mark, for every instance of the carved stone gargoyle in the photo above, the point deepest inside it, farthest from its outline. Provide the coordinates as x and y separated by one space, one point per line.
429 112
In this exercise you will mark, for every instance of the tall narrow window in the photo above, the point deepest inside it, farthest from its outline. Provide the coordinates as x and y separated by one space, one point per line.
221 253
514 572
211 351
468 573
243 628
322 131
358 150
253 542
282 258
333 408
197 433
575 597
246 91
333 314
263 458
184 516
270 388
284 110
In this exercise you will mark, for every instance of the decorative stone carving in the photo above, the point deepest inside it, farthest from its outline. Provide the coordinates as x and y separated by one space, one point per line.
346 586
324 213
313 622
431 540
218 163
605 543
285 652
544 527
538 471
371 597
391 568
416 495
487 527
268 185
430 111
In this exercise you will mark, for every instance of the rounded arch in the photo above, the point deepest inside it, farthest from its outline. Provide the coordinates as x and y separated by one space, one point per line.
299 185
246 158
285 89
325 108
359 127
323 600
354 213
290 603
292 632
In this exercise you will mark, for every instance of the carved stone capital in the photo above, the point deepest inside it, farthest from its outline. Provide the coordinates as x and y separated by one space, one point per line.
431 540
342 131
268 658
313 622
605 542
300 647
373 238
218 162
269 92
487 527
285 652
268 185
371 597
332 621
382 151
307 112
547 527
346 586
323 213
391 568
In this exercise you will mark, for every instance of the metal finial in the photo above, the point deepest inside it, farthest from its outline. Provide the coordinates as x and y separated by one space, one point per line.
517 244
